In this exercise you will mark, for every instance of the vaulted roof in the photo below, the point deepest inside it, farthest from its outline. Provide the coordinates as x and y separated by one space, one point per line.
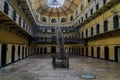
67 8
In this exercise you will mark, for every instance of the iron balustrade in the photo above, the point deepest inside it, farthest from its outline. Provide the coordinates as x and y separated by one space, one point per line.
39 40
53 40
13 15
43 29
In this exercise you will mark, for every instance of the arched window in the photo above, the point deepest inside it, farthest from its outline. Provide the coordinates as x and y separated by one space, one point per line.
71 18
44 19
63 20
53 20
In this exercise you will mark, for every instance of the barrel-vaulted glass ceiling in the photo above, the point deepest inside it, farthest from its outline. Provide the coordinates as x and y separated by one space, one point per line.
55 3
56 8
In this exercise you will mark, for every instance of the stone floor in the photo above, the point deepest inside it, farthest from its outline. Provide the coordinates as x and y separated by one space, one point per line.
40 68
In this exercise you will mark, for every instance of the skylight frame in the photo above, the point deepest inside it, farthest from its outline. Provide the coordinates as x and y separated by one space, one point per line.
55 3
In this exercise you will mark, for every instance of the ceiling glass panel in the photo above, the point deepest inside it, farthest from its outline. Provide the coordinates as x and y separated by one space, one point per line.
55 3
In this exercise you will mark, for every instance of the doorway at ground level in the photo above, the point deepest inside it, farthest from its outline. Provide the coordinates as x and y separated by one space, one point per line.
53 49
117 53
3 54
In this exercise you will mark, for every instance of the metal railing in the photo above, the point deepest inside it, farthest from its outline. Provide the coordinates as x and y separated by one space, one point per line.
10 12
54 40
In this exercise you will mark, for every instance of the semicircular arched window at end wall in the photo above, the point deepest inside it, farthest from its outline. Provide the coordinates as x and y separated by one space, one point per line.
44 19
63 20
53 20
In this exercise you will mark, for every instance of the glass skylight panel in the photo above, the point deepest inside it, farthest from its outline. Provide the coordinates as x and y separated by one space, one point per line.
55 3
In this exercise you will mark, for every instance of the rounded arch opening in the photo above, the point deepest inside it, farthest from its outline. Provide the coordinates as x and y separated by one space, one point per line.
53 20
63 20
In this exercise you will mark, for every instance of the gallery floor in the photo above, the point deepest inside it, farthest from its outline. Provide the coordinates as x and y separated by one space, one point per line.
40 68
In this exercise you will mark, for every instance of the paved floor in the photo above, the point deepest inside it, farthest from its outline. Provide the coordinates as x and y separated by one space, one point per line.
40 68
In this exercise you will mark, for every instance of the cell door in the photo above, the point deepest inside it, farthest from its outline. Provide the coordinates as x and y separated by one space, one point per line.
13 54
86 51
117 54
23 52
82 51
106 53
98 52
45 50
72 50
53 49
69 50
92 52
18 52
28 51
79 51
3 54
41 50
37 50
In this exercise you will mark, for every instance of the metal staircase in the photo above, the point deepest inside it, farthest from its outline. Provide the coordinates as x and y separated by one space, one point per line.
61 59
